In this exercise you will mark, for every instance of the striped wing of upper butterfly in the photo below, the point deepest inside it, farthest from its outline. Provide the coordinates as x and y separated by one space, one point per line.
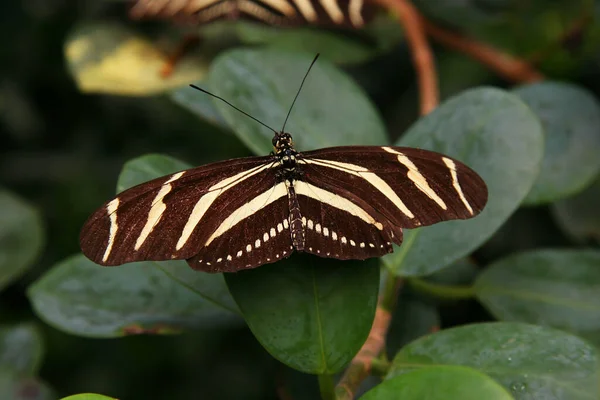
343 13
356 199
188 213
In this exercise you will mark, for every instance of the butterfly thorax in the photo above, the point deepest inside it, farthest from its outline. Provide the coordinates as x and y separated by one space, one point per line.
284 150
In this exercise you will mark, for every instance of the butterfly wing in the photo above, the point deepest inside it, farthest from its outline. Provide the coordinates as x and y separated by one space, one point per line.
174 216
397 187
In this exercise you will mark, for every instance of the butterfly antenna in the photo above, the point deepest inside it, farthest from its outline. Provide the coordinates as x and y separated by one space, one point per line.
234 107
299 89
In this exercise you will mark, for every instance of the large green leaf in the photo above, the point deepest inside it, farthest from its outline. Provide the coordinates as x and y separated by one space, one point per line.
494 133
83 298
211 287
200 104
331 109
579 215
533 362
21 237
439 383
20 348
311 314
570 116
558 288
110 58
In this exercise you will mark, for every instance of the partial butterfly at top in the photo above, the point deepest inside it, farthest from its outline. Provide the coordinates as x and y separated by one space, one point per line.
352 14
346 203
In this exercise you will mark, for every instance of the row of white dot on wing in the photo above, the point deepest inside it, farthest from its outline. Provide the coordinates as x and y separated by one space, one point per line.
257 243
309 223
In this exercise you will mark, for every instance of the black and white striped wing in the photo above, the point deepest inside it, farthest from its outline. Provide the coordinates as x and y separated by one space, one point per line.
366 194
343 13
339 224
184 214
256 233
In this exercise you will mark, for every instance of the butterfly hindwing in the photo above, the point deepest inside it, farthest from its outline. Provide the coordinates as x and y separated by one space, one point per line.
347 231
256 233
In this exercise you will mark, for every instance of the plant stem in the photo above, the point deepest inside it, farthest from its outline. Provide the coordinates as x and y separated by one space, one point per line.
380 367
389 295
327 387
442 291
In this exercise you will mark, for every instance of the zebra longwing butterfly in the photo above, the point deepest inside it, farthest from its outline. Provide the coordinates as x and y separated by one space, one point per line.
343 13
346 203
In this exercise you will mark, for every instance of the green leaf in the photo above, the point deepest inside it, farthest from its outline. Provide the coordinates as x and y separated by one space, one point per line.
558 288
211 287
579 215
310 313
199 104
147 167
532 362
20 348
494 133
412 319
14 386
21 237
331 109
570 116
460 272
439 383
110 58
88 396
334 47
80 297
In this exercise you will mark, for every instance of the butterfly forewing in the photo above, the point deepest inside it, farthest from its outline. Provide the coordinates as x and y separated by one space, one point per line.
409 187
171 217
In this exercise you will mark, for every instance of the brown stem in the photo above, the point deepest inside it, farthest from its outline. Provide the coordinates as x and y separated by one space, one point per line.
503 64
184 47
360 367
422 55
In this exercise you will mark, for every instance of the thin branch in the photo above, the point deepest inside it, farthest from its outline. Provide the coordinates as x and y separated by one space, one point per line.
362 364
422 55
505 65
571 37
187 43
327 387
360 367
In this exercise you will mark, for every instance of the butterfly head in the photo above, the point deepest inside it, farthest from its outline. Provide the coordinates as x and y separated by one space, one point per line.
282 141
284 149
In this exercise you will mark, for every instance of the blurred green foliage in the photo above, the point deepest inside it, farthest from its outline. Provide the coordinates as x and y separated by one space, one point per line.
82 104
